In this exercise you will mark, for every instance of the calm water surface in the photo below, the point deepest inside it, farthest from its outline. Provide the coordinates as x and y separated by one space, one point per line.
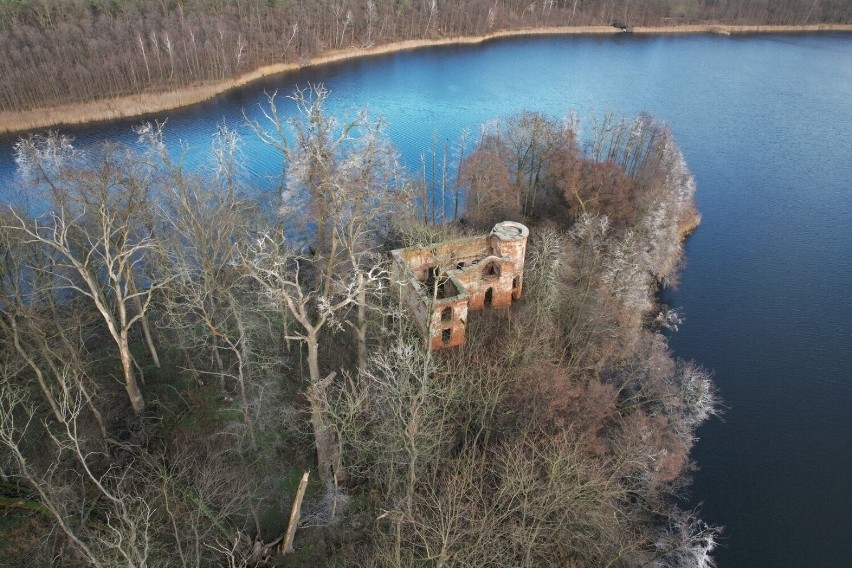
765 123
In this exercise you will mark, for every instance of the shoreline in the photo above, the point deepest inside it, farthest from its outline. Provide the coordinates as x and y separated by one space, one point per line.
148 103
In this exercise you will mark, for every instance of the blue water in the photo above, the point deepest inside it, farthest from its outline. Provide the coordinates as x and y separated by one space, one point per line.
765 123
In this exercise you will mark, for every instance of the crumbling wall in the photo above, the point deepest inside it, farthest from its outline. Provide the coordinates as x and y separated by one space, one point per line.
445 256
449 323
488 282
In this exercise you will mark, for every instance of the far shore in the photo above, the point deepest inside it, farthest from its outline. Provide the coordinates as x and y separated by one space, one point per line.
147 103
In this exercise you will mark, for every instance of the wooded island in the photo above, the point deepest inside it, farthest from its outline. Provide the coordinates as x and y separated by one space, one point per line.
176 356
341 370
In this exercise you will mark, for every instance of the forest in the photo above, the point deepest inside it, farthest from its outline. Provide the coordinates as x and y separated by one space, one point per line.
57 52
183 353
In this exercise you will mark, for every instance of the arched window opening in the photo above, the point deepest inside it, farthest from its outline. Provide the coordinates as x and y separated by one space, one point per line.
447 314
489 297
492 270
446 335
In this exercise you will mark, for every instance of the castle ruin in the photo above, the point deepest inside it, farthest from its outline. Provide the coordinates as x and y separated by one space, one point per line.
442 282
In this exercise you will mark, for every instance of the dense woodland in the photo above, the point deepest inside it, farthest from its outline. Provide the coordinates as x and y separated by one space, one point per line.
175 355
54 52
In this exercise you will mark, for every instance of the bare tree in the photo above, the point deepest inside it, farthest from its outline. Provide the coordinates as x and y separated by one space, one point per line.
209 304
348 175
123 537
96 230
289 283
44 335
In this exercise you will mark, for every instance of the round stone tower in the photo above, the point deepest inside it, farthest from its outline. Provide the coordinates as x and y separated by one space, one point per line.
509 240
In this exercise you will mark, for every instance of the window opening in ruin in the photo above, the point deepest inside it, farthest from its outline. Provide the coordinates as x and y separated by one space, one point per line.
492 270
445 288
515 283
489 297
447 314
460 265
446 335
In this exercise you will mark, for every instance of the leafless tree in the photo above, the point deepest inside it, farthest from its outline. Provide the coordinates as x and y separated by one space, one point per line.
123 534
41 333
96 230
290 285
54 54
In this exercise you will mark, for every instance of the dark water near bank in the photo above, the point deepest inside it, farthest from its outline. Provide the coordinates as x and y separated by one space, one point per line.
765 123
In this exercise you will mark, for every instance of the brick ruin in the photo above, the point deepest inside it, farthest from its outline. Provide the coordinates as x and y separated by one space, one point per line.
440 283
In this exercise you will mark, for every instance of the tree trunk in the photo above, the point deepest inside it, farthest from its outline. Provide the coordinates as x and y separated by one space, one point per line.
313 357
149 340
287 545
328 447
241 353
328 450
146 329
130 383
361 329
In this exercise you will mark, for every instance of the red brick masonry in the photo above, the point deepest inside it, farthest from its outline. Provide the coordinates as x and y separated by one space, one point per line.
440 283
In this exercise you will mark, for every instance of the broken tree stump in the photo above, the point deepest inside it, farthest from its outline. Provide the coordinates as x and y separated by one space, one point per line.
295 513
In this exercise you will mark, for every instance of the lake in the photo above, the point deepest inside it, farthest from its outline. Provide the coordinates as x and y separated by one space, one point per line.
765 123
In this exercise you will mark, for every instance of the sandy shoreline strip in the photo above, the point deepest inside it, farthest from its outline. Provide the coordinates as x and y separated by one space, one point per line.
146 103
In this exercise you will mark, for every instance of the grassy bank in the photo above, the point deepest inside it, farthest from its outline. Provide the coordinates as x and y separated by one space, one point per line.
145 103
